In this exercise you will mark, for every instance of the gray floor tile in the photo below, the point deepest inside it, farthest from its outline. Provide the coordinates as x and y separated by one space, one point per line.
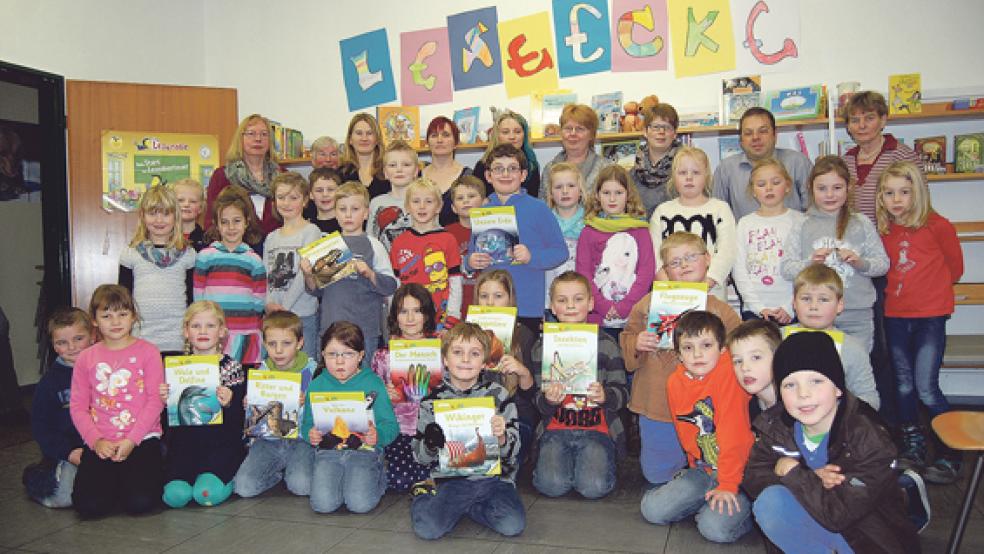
374 540
242 534
684 537
24 521
518 548
287 507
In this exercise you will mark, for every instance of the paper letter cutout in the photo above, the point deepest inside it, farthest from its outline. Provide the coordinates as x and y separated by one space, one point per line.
702 36
366 70
366 78
755 45
425 67
474 42
695 33
643 18
418 66
577 39
526 49
640 35
518 62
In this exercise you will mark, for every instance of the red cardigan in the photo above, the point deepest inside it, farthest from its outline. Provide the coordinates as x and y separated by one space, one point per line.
925 264
218 182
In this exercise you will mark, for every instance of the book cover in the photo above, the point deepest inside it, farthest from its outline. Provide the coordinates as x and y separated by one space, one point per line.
729 146
467 122
494 232
274 399
609 109
967 153
796 103
330 258
500 322
904 94
737 95
622 152
344 414
191 398
570 355
545 108
700 119
399 123
932 150
670 300
414 367
469 446
838 336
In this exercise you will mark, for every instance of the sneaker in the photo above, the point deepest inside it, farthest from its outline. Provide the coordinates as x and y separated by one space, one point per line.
918 508
913 453
942 472
423 487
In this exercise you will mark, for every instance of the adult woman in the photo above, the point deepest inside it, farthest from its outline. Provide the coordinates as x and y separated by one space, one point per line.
510 127
249 164
578 129
442 138
363 158
654 157
324 153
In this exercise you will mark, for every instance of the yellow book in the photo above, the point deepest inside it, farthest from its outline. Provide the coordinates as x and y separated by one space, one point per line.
470 448
274 401
191 398
904 94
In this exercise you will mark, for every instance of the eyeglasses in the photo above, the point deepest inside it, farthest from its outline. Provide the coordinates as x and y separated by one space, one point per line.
347 355
506 170
256 134
676 263
574 129
660 128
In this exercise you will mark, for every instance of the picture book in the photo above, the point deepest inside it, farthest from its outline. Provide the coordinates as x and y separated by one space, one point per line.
838 336
399 123
467 122
414 367
469 446
500 322
273 404
330 258
570 355
622 152
494 232
191 397
729 146
967 153
670 300
346 415
700 119
796 103
904 94
737 95
932 150
609 109
545 108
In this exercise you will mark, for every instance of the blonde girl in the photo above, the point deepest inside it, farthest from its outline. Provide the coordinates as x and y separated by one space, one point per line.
511 128
566 201
926 260
761 236
191 199
691 209
203 459
157 266
231 274
615 251
834 235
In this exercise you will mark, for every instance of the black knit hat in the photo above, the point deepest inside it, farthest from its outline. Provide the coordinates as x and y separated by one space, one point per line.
808 350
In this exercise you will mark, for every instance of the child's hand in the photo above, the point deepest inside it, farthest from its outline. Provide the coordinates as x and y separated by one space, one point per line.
306 267
224 394
850 257
245 402
301 401
831 475
612 314
554 393
479 261
719 500
371 437
784 465
499 428
394 395
820 254
363 269
596 393
123 450
510 365
521 254
274 307
779 315
164 391
105 449
647 342
315 436
75 457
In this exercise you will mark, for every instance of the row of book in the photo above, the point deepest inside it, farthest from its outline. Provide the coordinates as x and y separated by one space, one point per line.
286 143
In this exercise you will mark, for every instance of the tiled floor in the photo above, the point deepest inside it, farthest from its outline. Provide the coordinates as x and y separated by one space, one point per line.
279 522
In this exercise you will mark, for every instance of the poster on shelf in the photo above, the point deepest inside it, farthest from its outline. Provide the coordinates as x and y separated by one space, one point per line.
474 40
766 35
702 37
134 161
582 36
366 70
425 67
530 63
640 37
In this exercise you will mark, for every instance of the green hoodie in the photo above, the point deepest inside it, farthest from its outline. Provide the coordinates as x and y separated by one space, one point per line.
364 381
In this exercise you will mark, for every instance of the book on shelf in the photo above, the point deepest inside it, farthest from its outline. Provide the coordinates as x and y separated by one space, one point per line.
570 355
494 232
273 404
622 152
345 415
793 104
330 258
737 95
700 119
670 300
545 109
192 384
837 336
414 367
609 109
904 94
967 153
467 121
469 448
285 143
729 146
399 123
500 322
932 151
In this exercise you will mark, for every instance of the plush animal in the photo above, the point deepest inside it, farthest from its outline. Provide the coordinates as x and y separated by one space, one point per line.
633 118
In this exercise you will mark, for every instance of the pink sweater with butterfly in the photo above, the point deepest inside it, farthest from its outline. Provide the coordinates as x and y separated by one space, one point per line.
115 393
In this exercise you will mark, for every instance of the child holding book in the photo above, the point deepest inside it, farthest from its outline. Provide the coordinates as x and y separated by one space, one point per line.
761 235
231 274
694 211
360 295
285 285
156 267
191 197
427 254
388 216
710 415
272 459
926 261
324 183
834 235
116 408
466 192
821 470
580 437
566 201
685 258
491 501
348 470
49 482
615 250
202 460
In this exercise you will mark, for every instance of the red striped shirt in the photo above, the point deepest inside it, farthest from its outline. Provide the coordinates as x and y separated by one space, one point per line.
866 176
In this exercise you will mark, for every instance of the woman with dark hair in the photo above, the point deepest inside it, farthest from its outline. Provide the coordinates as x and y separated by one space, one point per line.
654 157
442 138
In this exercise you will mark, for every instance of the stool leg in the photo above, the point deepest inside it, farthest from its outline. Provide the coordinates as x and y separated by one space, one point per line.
958 529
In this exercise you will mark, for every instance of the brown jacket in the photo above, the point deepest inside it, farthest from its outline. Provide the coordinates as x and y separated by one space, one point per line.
652 369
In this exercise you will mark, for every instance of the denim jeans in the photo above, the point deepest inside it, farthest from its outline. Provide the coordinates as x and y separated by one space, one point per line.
787 524
312 339
273 460
916 346
582 460
355 478
37 480
487 501
661 456
684 496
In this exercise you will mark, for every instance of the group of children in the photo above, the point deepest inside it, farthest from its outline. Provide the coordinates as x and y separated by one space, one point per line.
693 401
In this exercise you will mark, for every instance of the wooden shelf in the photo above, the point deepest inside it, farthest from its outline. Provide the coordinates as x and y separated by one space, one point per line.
970 231
969 293
955 177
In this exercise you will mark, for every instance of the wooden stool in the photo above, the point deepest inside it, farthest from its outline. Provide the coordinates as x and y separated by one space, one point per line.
963 431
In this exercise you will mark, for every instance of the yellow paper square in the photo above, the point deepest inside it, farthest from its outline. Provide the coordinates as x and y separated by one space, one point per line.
520 58
709 51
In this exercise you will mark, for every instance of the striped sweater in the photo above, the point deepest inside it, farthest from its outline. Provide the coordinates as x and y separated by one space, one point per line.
867 176
236 280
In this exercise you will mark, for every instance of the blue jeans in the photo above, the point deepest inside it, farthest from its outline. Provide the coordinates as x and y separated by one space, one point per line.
684 496
488 501
661 456
38 479
273 460
787 524
312 339
355 478
916 346
582 460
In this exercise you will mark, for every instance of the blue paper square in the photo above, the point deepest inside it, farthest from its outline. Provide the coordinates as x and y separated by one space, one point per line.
367 70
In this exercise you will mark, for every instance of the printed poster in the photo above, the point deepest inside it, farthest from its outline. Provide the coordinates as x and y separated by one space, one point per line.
527 51
425 67
132 162
640 36
474 41
583 37
767 35
702 36
366 70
